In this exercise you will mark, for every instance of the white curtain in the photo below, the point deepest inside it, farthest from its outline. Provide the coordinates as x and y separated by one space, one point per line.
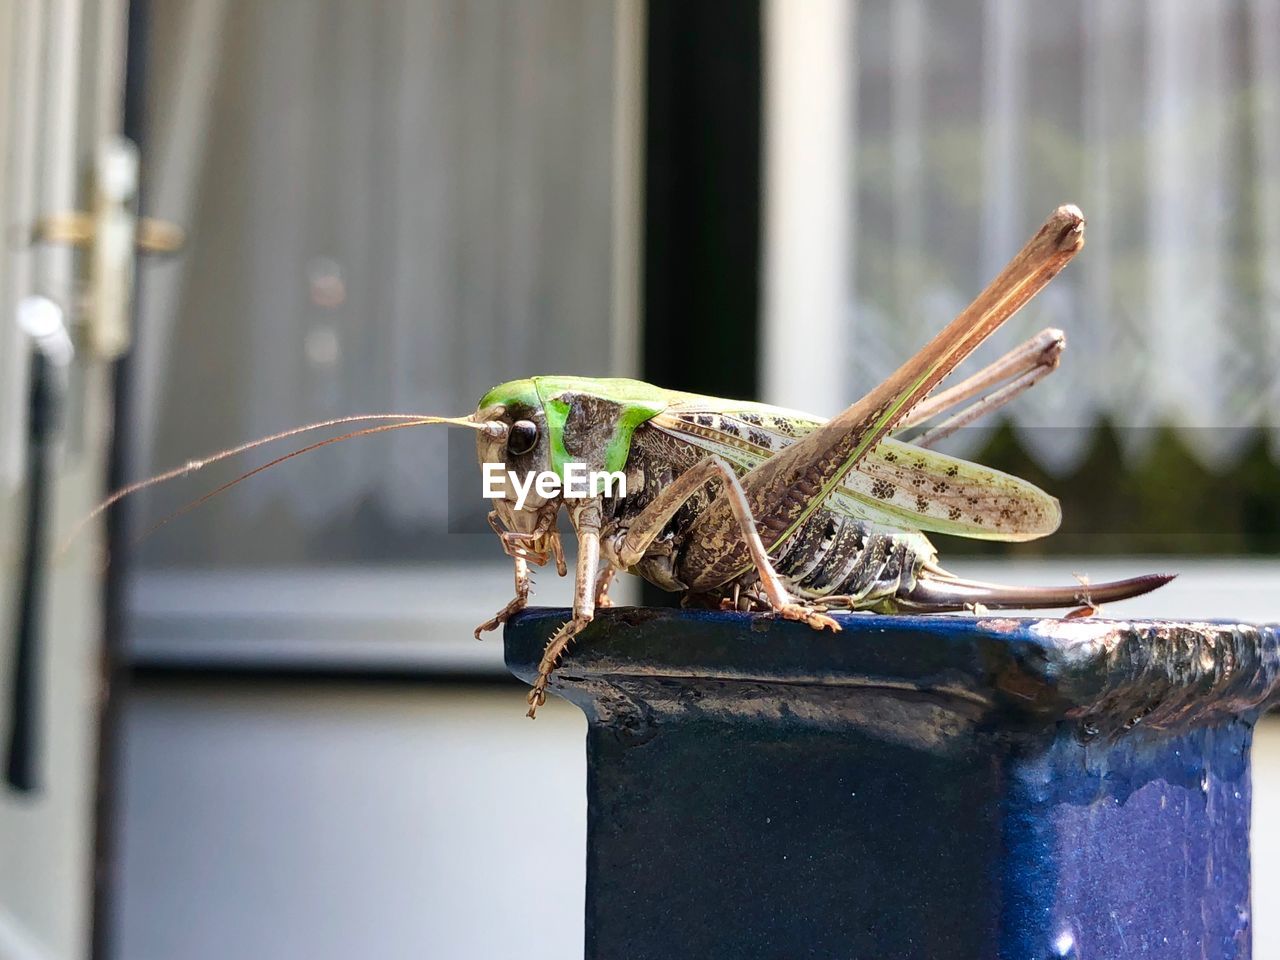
1161 119
393 205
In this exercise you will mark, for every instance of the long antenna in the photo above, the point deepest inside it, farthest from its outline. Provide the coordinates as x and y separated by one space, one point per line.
222 488
191 466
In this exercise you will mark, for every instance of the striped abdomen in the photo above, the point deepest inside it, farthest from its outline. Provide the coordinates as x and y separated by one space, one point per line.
836 555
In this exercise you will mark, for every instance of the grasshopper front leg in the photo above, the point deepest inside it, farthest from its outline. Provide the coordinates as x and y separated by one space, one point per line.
515 604
539 546
586 523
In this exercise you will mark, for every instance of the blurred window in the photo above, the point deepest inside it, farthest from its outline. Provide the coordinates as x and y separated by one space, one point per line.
961 125
392 205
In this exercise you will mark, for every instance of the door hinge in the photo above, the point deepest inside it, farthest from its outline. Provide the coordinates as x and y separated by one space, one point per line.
113 234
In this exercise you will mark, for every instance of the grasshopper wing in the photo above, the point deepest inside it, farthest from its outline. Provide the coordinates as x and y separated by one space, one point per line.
939 494
895 484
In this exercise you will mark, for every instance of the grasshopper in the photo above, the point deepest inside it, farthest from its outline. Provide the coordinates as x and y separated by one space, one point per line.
752 507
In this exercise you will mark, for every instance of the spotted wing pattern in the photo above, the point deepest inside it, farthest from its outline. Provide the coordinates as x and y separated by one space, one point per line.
896 484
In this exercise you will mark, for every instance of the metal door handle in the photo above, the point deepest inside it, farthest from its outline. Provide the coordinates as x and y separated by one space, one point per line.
114 234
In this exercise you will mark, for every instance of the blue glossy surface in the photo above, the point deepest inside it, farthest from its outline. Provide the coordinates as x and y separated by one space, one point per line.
913 787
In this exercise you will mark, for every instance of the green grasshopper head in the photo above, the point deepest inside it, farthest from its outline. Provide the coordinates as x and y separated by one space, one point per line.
543 424
522 447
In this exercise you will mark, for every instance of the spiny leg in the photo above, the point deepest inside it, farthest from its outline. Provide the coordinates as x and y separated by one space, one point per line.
995 385
586 521
648 525
522 548
516 604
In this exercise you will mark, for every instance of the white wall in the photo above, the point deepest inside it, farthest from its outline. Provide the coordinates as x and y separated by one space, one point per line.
336 820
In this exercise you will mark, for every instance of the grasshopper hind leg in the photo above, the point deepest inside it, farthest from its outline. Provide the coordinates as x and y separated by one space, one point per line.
649 524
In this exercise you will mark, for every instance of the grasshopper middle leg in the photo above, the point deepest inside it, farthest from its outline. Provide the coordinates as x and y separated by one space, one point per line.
586 522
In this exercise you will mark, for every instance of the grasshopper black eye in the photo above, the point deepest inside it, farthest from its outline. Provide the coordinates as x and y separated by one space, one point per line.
523 437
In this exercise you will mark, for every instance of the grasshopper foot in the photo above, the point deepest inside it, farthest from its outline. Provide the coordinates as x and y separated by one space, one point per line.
502 616
550 656
814 618
537 696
